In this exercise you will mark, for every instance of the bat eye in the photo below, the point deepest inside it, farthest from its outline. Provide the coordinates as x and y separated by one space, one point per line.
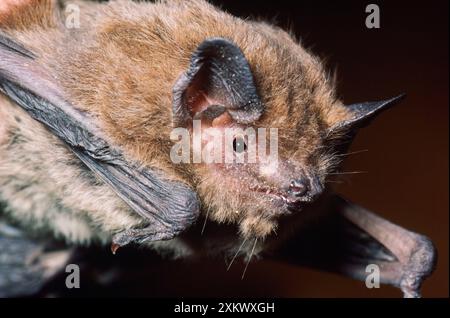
239 145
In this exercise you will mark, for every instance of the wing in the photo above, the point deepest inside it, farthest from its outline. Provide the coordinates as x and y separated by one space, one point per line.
169 206
350 238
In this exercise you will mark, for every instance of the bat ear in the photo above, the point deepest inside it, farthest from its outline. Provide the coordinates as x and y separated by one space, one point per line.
363 113
219 80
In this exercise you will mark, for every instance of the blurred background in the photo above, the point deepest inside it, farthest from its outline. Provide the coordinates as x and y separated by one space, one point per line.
406 158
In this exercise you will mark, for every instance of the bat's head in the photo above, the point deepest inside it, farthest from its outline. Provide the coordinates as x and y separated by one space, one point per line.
260 129
255 123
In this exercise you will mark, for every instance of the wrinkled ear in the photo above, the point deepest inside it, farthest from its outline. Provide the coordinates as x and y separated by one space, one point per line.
363 113
219 75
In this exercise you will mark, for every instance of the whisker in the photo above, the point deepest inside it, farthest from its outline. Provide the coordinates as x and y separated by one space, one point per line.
333 181
204 179
235 255
206 219
348 172
351 153
250 258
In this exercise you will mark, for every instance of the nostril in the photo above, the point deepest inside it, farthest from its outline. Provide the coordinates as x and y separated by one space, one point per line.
298 187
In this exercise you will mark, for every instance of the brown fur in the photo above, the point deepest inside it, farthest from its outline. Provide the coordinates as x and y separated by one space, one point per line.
120 66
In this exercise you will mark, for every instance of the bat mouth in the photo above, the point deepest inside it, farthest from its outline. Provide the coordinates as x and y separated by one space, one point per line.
283 200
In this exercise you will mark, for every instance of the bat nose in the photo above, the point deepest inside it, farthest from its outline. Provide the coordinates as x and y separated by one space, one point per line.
299 187
305 187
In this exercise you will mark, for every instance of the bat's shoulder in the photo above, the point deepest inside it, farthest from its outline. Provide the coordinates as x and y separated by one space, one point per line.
48 190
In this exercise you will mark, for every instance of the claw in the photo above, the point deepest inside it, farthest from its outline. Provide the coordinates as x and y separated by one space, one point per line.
114 248
139 236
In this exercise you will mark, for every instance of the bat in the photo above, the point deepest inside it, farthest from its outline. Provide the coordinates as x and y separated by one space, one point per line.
87 114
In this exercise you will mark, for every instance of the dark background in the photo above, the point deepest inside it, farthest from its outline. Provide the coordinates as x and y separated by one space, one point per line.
407 157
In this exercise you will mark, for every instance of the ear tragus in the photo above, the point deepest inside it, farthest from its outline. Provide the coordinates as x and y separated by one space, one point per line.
210 112
363 113
219 74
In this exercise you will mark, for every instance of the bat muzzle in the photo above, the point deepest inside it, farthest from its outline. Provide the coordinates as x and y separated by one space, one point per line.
304 190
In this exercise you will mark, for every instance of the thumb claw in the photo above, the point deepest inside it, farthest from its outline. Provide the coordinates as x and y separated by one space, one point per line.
114 248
